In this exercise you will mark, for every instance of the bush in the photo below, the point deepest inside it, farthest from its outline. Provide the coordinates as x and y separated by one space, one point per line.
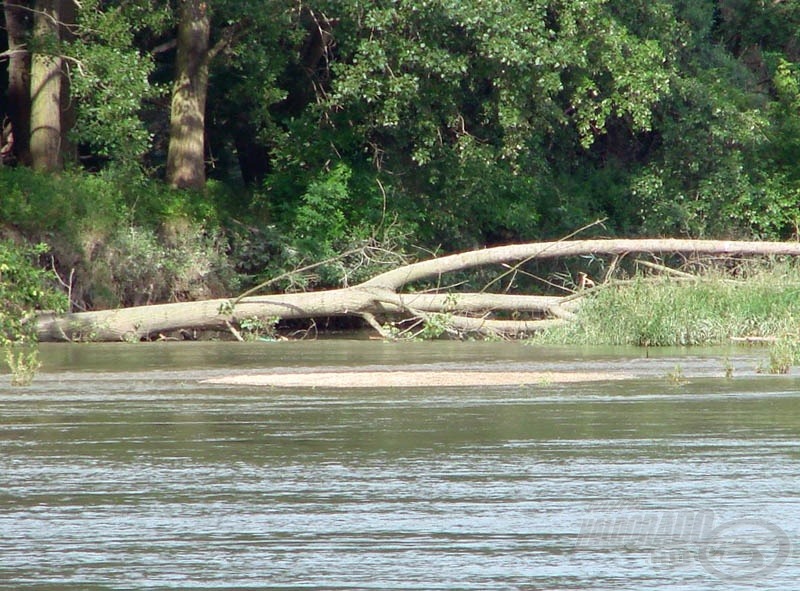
137 266
70 205
24 289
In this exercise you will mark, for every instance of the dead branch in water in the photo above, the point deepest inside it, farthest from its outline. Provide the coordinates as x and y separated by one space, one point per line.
382 295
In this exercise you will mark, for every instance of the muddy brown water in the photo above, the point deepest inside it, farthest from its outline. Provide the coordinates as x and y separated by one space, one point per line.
120 469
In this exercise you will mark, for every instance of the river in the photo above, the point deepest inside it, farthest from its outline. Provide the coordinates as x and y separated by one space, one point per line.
119 469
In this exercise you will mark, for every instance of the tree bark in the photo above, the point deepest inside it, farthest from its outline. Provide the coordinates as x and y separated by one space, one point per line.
549 250
186 153
46 87
17 16
467 312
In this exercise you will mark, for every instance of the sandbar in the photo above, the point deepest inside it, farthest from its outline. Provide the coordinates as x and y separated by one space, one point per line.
405 379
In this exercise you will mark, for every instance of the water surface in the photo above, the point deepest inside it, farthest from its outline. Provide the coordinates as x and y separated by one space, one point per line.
119 470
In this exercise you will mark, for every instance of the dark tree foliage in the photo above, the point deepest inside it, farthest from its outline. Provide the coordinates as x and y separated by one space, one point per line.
453 123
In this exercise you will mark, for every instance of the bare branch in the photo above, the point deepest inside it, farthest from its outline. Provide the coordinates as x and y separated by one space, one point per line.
11 52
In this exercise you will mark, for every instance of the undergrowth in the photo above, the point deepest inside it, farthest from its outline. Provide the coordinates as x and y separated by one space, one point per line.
762 301
116 239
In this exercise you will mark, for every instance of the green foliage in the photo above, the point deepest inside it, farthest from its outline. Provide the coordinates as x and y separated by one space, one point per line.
255 328
716 167
784 354
69 205
433 326
461 102
699 182
320 219
136 266
665 312
676 376
80 207
110 77
23 362
439 123
24 289
125 239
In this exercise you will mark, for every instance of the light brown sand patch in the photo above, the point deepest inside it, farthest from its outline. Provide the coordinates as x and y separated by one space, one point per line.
393 379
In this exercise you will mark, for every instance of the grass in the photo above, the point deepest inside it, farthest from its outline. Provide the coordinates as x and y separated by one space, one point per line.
762 301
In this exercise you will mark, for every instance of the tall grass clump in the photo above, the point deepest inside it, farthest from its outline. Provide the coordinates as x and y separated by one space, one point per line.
762 301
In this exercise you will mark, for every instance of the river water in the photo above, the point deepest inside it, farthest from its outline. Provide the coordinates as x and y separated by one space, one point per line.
120 470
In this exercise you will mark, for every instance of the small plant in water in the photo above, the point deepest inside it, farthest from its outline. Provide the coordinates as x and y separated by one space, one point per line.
23 363
783 354
676 376
259 329
727 366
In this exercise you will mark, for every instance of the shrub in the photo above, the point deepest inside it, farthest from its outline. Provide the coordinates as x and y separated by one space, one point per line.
138 266
24 289
123 239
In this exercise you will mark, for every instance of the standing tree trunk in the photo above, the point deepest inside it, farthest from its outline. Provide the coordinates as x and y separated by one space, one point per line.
46 85
17 15
186 155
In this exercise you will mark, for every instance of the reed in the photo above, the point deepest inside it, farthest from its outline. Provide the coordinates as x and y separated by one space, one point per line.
761 301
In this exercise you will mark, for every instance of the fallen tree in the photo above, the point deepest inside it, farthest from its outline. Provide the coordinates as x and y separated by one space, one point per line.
382 296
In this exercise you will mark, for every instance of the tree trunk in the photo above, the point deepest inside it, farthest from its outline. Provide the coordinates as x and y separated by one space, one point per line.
463 312
18 21
148 322
46 87
186 155
570 248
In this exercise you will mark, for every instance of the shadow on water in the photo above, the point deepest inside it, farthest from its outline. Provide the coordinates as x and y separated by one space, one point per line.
118 469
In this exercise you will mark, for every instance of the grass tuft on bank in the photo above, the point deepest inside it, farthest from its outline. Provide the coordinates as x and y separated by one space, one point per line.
760 301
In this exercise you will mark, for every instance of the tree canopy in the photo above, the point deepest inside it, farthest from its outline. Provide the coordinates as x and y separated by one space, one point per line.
450 123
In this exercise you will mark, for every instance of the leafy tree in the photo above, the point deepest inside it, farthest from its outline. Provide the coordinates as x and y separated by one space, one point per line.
110 64
706 174
85 83
459 105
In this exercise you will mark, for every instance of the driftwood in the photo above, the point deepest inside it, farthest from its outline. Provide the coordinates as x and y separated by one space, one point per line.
381 296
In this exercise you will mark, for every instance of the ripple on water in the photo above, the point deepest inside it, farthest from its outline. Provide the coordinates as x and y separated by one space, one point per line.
148 480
